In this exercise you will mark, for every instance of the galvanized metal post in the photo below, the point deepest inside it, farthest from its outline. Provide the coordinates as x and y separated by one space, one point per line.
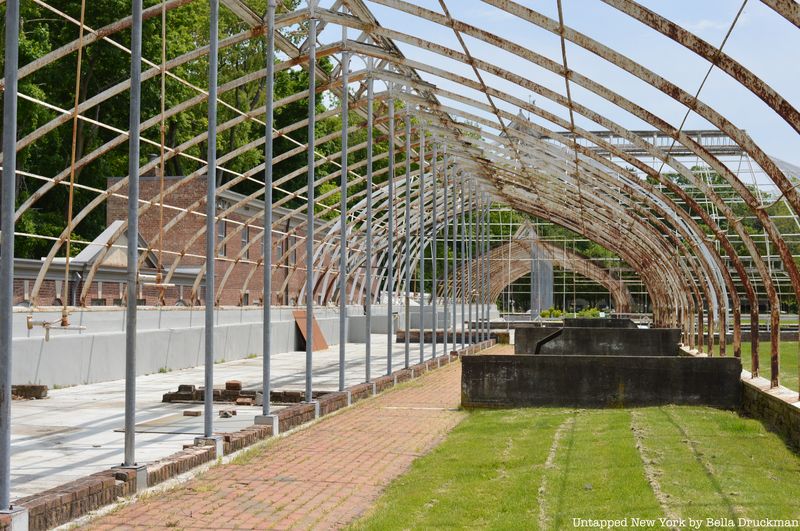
343 217
407 240
7 208
469 255
534 275
133 233
479 265
455 269
421 237
464 340
486 267
211 212
446 279
266 379
490 303
312 117
368 222
390 236
434 251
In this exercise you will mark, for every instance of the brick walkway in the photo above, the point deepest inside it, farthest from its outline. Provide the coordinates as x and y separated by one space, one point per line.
320 477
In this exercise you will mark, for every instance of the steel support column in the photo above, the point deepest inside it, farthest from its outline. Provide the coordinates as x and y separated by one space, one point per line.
446 249
133 233
455 268
390 236
343 217
211 212
407 240
368 222
434 253
463 262
312 115
266 382
421 237
7 207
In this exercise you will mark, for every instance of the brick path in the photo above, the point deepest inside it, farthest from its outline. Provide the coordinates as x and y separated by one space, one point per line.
320 477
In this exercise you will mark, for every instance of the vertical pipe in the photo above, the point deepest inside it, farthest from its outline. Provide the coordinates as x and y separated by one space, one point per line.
446 279
469 257
133 233
268 155
368 223
312 118
481 265
487 268
434 254
421 232
462 261
407 239
390 236
7 208
211 207
534 274
343 218
455 259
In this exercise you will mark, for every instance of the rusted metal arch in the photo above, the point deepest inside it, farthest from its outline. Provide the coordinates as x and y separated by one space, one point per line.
664 85
615 168
661 125
518 252
450 77
788 9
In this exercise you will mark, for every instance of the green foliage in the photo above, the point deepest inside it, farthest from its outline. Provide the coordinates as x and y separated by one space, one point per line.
589 312
551 313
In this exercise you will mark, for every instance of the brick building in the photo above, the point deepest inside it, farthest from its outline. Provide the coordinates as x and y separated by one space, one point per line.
181 256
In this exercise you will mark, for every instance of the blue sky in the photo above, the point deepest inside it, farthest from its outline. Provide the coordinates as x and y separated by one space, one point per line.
763 41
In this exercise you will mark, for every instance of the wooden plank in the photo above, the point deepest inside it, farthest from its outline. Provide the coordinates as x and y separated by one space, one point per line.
318 340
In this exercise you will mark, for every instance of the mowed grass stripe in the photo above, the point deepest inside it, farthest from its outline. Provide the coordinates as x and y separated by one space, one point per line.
690 462
485 475
717 464
599 474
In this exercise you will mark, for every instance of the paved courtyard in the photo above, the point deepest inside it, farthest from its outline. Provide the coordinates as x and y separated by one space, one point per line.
322 476
78 430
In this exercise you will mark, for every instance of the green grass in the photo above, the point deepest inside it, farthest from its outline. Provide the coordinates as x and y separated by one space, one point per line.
788 352
540 468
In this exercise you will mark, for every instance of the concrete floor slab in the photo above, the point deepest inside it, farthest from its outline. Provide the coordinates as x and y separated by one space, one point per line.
75 431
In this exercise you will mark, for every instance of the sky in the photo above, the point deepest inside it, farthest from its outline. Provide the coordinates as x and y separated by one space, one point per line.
762 40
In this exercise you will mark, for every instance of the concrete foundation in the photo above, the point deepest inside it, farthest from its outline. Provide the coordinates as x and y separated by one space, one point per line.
597 341
599 381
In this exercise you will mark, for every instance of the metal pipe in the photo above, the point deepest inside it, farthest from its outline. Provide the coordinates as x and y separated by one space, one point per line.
446 278
463 255
133 233
390 235
368 272
455 269
421 232
434 254
343 218
266 382
211 207
312 114
468 256
407 238
488 267
7 243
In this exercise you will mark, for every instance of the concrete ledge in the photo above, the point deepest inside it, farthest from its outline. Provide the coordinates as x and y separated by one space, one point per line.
597 341
777 407
598 381
73 500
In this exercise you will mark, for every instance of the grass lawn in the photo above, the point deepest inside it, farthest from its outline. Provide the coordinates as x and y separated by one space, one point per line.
540 468
788 376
